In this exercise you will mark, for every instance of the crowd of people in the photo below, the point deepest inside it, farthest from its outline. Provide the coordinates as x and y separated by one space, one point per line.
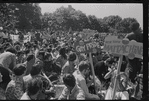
30 71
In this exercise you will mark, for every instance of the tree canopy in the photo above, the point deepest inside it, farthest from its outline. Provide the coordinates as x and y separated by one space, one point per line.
28 16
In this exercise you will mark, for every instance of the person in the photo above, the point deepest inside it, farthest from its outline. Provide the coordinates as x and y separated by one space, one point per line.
54 53
26 53
1 49
94 58
69 66
122 81
139 87
7 63
34 88
36 73
99 56
134 64
40 57
47 68
20 55
2 92
80 76
8 59
30 60
15 87
136 34
62 58
50 68
72 91
101 68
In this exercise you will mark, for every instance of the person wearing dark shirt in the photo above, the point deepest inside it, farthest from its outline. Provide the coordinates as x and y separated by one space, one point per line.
51 69
62 58
30 60
40 57
101 68
134 64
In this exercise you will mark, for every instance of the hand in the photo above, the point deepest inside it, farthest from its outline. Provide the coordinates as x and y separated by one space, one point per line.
113 68
101 95
51 90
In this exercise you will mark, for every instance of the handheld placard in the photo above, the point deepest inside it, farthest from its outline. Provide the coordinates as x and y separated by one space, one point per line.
89 46
121 47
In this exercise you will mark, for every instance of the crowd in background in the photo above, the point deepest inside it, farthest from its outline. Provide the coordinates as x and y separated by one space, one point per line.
30 71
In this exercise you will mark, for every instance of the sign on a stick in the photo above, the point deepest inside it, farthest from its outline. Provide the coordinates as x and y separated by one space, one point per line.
117 46
86 46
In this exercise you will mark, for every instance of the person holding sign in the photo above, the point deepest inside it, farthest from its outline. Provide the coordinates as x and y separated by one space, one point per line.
101 68
122 78
80 75
134 64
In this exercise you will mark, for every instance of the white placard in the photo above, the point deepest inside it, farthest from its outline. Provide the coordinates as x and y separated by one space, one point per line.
123 47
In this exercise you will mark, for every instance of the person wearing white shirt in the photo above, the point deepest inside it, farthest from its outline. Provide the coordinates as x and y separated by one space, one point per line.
71 91
80 75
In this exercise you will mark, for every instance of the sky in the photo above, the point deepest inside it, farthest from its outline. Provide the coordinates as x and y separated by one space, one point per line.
124 10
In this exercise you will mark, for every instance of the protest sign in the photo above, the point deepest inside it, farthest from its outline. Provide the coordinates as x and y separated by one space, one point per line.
86 46
114 45
87 33
27 38
14 38
131 49
90 47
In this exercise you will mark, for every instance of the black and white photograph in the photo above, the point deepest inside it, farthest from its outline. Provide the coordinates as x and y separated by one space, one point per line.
71 51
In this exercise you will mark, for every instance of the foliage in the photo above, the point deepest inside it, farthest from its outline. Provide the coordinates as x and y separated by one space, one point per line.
21 16
123 25
27 16
67 17
8 20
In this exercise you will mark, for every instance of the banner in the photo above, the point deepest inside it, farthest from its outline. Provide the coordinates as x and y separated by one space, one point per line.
87 33
16 38
86 46
123 47
27 38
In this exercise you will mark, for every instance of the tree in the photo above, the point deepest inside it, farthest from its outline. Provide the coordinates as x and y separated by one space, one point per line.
111 21
123 26
65 18
71 18
8 20
28 16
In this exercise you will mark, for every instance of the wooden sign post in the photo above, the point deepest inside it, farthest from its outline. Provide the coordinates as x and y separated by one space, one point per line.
120 47
118 71
92 68
88 47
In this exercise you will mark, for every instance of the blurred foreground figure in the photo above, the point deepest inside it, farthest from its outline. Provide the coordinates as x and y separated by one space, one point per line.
71 91
134 64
